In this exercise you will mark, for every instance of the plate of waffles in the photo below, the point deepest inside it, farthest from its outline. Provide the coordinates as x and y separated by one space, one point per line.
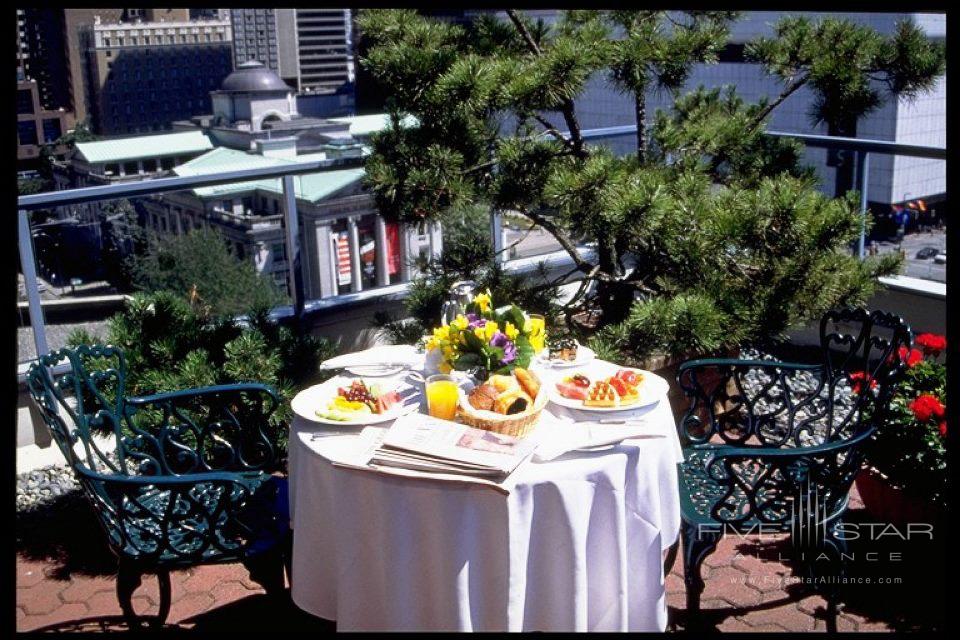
606 387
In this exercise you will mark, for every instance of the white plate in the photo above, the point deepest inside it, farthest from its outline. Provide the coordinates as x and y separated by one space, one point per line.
305 403
651 390
376 372
584 355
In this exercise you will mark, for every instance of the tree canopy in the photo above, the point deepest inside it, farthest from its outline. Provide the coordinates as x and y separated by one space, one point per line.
200 267
709 217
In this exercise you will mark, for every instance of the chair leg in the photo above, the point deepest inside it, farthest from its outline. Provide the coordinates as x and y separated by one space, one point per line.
698 543
128 579
826 552
266 569
163 579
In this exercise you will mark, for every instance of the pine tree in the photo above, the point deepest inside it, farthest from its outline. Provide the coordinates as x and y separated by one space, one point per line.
712 232
202 263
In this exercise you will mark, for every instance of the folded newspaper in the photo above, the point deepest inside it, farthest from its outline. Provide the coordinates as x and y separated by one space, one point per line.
423 443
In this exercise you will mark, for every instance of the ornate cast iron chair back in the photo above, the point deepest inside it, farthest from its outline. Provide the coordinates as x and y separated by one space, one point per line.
772 404
80 392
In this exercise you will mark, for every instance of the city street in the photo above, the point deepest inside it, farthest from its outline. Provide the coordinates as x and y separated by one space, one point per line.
912 243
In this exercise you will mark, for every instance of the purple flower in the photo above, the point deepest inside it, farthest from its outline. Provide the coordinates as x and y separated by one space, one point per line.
474 321
500 339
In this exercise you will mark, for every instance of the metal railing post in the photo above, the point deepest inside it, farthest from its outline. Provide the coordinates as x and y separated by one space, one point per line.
29 266
292 238
863 184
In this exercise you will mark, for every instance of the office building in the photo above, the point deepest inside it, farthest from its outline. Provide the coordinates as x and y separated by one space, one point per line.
145 75
310 49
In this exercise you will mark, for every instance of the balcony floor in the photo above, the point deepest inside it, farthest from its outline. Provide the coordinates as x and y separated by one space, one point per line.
70 586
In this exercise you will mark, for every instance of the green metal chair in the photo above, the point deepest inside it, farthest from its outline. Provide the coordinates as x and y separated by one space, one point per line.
189 482
778 452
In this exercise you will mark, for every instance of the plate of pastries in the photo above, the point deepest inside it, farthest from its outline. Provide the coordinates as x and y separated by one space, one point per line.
605 386
565 352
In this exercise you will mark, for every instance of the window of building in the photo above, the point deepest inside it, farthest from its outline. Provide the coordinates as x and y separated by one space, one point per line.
112 169
163 223
240 251
279 251
27 132
131 168
51 129
109 54
166 163
24 101
150 165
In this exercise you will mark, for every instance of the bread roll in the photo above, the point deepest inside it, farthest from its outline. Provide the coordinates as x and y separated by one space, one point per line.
503 383
528 381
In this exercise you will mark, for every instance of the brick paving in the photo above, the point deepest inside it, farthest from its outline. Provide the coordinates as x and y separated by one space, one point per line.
60 593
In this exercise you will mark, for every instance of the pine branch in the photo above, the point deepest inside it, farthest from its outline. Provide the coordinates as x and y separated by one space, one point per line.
796 84
569 115
549 128
563 239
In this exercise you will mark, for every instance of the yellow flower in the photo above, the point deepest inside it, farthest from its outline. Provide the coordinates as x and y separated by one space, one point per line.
489 329
483 301
460 322
511 331
480 333
445 367
441 332
432 344
447 352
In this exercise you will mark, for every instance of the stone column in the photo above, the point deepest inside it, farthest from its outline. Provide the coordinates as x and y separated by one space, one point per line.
406 255
381 248
436 240
353 239
326 261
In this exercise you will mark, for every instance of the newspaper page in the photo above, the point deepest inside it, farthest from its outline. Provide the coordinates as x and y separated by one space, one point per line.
431 443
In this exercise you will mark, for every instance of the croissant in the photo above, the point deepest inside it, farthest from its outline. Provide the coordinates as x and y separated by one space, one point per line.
512 401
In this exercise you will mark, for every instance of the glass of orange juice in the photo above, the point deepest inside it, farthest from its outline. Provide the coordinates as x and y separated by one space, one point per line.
538 332
443 394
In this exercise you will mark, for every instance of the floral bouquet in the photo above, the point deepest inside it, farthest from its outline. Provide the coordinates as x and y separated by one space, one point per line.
910 446
483 340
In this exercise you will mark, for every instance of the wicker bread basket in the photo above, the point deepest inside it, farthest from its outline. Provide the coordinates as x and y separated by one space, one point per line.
517 424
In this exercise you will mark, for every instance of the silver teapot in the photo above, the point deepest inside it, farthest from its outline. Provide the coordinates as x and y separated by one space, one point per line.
461 294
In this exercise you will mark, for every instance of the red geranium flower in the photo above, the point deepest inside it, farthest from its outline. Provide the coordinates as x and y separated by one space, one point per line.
931 343
943 428
859 378
912 357
927 406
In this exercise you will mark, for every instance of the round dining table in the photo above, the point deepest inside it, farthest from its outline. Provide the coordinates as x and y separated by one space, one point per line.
575 543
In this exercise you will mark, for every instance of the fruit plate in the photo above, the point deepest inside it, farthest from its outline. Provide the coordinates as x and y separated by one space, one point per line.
306 403
651 390
584 356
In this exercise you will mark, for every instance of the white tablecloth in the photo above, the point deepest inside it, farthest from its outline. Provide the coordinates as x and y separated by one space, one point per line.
576 544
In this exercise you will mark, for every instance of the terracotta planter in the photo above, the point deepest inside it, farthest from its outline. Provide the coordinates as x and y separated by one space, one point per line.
890 504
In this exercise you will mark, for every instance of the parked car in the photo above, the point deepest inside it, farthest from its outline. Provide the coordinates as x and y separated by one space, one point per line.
941 257
927 252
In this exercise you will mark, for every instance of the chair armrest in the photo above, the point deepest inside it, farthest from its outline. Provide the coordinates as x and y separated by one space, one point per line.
748 364
718 451
723 402
199 392
215 428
